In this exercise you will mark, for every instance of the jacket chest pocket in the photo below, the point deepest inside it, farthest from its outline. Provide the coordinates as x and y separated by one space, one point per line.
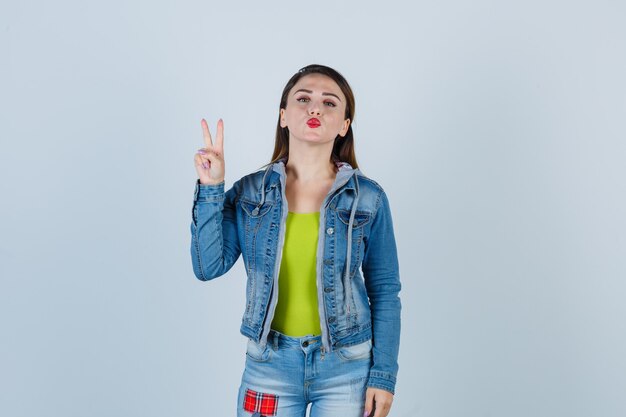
254 211
259 223
361 219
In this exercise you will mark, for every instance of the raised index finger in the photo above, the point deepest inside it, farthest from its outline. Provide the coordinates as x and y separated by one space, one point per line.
207 135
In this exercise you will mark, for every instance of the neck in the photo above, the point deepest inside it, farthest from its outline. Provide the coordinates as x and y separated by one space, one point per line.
310 164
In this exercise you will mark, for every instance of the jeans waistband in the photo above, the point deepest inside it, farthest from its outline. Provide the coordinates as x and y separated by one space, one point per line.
278 339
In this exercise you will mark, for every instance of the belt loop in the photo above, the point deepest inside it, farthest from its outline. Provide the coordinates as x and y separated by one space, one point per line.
275 336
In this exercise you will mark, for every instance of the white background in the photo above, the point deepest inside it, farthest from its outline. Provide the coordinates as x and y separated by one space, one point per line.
496 128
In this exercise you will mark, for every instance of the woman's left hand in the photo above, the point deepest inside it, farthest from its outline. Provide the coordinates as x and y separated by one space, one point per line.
381 399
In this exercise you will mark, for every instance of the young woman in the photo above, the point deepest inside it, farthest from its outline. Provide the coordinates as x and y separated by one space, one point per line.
319 332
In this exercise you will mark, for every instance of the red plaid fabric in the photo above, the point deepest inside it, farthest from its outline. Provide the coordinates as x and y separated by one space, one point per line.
265 404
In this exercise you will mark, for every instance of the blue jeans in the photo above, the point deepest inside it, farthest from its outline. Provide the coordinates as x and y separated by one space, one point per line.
291 372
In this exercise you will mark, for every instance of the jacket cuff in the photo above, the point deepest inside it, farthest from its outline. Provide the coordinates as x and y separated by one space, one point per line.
382 380
208 192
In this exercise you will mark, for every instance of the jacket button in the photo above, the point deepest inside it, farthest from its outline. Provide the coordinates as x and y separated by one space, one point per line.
330 231
331 319
328 289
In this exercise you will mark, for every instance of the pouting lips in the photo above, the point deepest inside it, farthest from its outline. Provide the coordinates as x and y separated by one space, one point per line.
313 122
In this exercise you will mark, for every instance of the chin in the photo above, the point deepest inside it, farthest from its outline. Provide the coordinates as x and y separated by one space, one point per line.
316 139
312 135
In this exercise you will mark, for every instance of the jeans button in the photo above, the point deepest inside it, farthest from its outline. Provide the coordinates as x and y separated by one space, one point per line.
305 343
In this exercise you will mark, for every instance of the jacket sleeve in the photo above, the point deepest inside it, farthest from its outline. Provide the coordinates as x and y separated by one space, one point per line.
214 237
382 281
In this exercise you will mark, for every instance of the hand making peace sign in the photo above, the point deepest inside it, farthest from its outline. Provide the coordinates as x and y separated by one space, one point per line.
209 161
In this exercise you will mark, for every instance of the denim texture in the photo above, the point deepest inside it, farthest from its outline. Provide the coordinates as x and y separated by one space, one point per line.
296 372
358 284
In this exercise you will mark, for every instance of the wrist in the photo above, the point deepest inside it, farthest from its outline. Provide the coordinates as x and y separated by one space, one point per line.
210 182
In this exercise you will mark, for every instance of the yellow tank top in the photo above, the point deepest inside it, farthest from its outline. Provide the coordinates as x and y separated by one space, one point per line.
296 312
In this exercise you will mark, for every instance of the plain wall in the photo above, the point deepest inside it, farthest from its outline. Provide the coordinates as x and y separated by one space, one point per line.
496 128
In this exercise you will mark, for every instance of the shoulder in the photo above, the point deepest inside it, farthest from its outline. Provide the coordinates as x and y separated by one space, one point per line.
368 183
252 178
371 190
250 184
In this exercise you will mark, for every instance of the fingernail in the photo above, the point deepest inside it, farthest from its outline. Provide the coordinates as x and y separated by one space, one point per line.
365 414
202 151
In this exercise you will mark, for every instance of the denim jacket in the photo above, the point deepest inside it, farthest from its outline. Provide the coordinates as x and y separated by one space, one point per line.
249 219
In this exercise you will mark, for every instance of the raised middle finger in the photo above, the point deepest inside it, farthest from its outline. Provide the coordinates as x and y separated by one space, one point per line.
219 143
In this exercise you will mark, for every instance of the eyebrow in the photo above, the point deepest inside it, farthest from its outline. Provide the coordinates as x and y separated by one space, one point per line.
311 92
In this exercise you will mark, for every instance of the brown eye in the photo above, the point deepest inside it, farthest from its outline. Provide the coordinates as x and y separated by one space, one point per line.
330 104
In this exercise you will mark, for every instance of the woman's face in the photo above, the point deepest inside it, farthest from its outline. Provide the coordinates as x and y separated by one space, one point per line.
315 110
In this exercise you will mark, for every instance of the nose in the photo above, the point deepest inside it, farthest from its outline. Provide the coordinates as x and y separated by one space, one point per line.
314 108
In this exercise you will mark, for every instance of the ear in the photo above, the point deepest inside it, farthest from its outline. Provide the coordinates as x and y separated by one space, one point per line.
282 118
344 129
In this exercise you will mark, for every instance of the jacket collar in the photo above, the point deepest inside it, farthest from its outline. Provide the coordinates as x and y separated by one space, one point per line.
343 179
